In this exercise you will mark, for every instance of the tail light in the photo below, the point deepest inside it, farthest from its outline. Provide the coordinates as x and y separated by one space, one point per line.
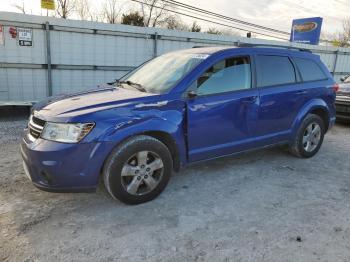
335 87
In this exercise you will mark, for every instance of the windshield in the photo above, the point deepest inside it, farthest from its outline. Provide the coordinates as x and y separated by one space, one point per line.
162 73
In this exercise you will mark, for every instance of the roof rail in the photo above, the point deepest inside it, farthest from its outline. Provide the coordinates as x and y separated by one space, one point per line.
240 44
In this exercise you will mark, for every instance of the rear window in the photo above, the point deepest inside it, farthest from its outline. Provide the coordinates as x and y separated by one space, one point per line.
274 70
309 70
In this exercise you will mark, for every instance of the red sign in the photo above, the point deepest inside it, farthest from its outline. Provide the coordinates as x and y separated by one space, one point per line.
13 32
2 38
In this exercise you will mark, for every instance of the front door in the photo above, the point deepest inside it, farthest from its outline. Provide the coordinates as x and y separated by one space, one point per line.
222 117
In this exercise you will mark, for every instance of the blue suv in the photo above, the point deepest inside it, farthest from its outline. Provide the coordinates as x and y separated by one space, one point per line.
179 108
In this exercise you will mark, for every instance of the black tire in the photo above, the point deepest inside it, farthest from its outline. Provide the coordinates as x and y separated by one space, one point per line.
297 146
112 171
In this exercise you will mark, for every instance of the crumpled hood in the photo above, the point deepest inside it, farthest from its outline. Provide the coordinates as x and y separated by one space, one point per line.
93 100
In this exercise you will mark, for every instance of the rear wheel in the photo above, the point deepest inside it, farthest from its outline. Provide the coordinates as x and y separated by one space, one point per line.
138 170
309 137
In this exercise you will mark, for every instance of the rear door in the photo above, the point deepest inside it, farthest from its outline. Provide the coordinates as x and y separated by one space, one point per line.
281 96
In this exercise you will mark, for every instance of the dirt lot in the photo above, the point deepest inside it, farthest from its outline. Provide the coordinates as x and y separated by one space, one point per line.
258 206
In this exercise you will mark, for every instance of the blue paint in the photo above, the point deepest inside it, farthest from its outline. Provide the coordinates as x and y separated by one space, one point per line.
306 30
204 127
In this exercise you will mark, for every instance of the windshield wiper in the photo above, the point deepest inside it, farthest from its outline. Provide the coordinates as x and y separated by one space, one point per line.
133 84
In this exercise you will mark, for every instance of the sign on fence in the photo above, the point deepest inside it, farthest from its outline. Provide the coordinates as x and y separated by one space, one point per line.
2 37
48 4
25 36
306 30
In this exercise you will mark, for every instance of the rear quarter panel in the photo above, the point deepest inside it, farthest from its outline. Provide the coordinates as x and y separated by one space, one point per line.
321 94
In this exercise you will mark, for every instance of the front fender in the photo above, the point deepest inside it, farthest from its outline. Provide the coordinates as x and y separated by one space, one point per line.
312 105
170 122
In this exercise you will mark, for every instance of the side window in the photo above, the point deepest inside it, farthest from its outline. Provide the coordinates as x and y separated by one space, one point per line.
309 70
274 70
227 75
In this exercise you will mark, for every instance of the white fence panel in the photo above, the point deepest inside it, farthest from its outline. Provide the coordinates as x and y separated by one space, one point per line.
85 54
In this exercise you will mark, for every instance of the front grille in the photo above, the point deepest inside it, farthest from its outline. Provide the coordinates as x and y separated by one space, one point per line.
34 132
35 126
38 121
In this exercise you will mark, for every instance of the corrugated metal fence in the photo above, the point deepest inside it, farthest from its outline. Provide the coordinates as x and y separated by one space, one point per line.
68 55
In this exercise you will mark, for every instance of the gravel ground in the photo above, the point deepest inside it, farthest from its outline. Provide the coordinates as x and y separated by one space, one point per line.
259 206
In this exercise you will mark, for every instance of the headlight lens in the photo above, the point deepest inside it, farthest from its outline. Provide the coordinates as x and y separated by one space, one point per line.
66 133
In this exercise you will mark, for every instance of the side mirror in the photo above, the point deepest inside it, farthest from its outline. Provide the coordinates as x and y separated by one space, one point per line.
192 94
343 78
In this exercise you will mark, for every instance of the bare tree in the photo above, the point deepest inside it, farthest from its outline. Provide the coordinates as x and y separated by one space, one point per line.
342 39
214 31
195 27
153 12
175 23
133 18
83 9
346 28
96 17
65 8
111 11
20 7
327 37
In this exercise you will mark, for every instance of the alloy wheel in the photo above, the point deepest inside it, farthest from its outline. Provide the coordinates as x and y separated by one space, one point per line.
311 137
142 173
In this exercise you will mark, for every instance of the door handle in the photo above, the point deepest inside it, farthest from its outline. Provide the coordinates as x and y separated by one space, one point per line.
250 100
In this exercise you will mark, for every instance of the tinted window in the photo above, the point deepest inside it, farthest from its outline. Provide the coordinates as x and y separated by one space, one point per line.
309 70
227 75
274 70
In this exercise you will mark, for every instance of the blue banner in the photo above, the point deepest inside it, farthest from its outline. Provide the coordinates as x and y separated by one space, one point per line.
306 30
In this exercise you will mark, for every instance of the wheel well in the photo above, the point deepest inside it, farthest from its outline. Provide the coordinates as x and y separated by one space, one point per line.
324 116
166 139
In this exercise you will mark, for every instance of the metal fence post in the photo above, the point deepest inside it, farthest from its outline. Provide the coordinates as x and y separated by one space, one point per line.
48 60
335 63
155 47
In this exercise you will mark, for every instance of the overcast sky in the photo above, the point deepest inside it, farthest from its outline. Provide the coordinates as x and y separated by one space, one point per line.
272 13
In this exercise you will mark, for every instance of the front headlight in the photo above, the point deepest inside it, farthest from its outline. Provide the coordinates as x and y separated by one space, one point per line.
67 133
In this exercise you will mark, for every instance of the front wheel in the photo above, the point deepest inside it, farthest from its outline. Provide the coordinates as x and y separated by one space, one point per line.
138 170
309 137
